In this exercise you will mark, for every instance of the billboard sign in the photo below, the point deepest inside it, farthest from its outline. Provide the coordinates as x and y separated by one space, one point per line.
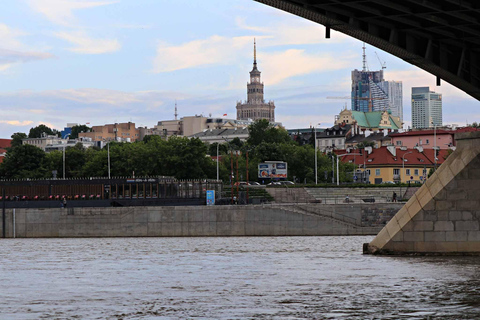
210 197
272 170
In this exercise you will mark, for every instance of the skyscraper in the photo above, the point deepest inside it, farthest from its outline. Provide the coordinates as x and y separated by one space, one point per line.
255 107
426 108
370 92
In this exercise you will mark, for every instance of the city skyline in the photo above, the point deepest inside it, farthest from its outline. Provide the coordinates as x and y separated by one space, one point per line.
111 61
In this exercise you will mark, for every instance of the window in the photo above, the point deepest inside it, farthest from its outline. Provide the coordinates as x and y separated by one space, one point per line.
416 172
420 143
377 172
396 171
399 143
407 172
427 141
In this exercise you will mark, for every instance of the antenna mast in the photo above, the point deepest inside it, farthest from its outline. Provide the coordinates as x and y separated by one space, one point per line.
364 59
176 114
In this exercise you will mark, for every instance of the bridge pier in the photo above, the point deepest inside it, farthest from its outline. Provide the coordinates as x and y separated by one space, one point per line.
443 217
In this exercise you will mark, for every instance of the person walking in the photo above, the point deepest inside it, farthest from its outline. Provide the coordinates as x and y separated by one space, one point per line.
394 197
64 202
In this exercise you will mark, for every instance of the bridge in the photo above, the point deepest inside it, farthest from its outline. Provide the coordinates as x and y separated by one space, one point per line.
441 37
438 36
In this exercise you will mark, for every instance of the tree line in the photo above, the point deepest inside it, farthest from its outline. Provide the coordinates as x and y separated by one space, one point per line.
179 157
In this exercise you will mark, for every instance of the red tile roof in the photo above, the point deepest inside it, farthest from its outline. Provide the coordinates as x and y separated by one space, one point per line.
432 131
5 143
383 157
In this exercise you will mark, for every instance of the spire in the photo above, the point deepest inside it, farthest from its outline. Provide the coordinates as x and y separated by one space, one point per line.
254 51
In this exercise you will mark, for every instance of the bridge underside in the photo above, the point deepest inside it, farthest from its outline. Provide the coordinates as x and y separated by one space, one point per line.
438 36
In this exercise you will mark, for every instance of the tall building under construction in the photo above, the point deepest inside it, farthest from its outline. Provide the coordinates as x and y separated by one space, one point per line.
370 91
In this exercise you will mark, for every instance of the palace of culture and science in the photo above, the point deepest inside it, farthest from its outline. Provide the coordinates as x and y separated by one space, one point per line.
255 107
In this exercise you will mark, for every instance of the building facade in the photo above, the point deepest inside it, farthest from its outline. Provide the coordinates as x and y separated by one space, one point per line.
372 121
333 138
426 108
391 164
118 132
255 107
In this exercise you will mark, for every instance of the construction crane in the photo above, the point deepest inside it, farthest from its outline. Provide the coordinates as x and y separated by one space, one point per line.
383 64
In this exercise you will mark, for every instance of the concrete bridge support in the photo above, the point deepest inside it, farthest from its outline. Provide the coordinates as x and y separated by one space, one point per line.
443 217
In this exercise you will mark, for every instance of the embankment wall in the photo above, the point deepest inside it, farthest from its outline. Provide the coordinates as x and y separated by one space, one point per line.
199 221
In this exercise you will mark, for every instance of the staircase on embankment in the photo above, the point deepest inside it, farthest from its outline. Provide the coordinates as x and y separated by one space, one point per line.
338 195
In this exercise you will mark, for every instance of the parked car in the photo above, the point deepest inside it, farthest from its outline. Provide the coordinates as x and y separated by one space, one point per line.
253 183
274 183
286 183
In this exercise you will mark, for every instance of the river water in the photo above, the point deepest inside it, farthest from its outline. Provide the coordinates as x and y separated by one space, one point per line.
229 278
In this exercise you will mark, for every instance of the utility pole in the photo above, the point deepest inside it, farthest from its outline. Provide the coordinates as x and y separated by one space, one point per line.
247 177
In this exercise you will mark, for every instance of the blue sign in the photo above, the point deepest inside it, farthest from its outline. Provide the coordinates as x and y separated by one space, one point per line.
355 178
210 197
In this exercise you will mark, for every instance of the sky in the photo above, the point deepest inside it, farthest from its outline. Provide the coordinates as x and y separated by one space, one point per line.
100 62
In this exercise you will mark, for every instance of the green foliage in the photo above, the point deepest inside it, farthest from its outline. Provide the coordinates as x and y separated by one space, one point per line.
37 131
21 162
363 145
17 139
263 131
78 129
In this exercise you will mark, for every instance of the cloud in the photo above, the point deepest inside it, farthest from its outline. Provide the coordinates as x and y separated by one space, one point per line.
87 45
279 66
9 56
295 32
213 50
17 122
13 51
61 11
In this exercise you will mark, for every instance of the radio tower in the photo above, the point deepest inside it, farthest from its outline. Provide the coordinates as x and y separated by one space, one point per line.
176 114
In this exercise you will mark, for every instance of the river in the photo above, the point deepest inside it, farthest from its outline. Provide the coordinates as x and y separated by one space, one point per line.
229 278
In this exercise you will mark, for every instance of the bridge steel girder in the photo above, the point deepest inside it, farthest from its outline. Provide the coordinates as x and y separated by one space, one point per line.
438 36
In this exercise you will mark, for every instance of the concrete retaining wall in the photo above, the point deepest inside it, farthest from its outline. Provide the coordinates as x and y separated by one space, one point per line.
187 221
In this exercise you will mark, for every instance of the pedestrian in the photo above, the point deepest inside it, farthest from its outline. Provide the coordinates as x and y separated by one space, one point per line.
394 197
64 202
347 199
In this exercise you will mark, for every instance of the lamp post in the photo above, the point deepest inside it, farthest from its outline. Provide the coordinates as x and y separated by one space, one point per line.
403 170
316 169
108 158
217 161
338 157
64 162
66 136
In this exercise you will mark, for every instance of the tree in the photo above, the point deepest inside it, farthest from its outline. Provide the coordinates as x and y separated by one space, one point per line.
37 131
17 139
21 162
78 129
263 131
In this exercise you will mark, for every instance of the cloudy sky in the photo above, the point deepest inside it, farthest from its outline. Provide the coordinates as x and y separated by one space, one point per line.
97 62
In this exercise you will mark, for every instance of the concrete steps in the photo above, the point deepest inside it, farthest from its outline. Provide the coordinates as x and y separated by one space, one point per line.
290 195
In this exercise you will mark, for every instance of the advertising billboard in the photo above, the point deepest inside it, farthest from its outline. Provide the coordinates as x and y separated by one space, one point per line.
272 170
210 197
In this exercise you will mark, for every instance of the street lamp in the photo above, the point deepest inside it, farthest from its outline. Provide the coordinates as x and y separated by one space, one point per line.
403 170
341 155
217 161
316 169
68 134
108 156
